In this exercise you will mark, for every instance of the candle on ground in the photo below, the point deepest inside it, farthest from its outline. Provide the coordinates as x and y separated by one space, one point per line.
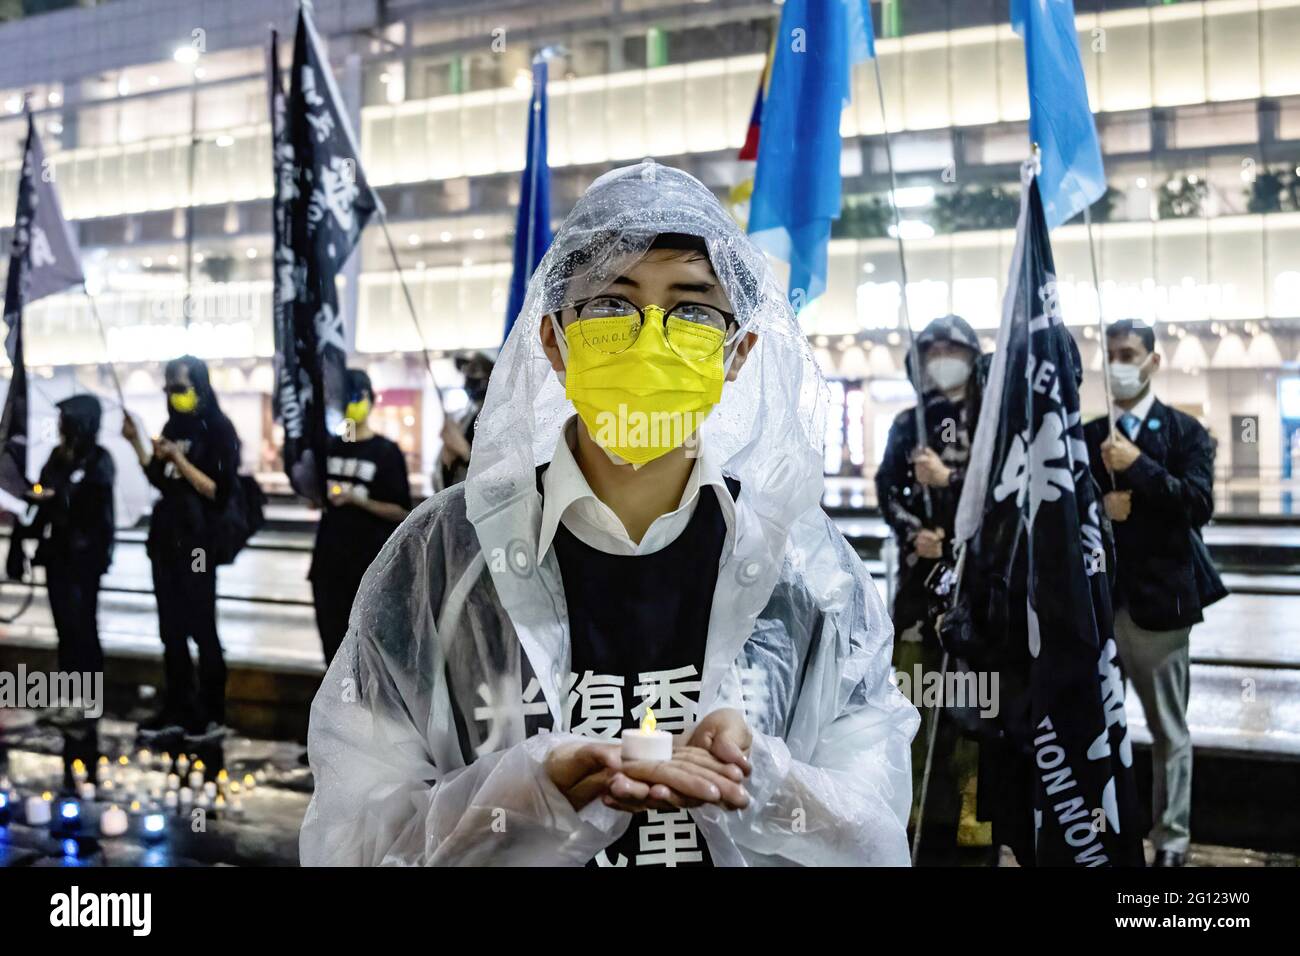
38 809
113 821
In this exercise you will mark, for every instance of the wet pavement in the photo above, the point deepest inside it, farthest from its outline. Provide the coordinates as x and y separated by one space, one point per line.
258 826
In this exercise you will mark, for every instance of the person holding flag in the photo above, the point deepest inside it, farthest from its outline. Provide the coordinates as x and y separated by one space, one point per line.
74 527
194 465
69 510
1159 469
918 485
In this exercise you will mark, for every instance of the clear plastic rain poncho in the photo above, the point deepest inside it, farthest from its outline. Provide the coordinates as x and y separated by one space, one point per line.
417 739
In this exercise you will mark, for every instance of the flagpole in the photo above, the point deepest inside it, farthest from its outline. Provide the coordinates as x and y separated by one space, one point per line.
932 730
535 125
410 304
922 435
108 355
1101 330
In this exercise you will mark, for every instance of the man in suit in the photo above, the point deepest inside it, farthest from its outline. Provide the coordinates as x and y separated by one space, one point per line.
1157 469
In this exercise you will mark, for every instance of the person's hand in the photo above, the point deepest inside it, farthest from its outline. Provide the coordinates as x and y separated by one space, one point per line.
930 469
129 431
166 450
929 543
582 771
1118 505
341 494
692 777
1119 453
725 735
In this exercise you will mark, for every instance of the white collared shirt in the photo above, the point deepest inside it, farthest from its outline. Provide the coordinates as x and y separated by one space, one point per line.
568 498
1140 410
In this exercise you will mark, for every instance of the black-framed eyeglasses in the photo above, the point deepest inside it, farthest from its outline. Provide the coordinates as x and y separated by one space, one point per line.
612 324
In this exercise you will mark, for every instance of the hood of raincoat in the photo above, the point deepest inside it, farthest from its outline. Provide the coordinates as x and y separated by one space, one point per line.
429 725
81 415
947 328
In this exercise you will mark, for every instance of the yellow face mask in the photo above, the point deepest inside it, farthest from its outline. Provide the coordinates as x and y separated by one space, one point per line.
184 402
648 399
357 411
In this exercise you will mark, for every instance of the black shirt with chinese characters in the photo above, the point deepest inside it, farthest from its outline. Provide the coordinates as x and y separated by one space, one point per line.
638 626
348 537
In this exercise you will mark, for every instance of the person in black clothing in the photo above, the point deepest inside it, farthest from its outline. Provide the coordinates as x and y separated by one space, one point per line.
458 434
1158 473
368 493
949 350
74 527
194 464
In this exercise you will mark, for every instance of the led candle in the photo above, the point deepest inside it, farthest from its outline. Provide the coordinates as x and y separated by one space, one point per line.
173 782
86 791
136 808
219 804
144 758
169 800
79 771
187 796
196 776
236 807
38 809
182 764
69 814
113 821
202 801
101 770
106 788
249 782
209 789
154 826
165 761
646 743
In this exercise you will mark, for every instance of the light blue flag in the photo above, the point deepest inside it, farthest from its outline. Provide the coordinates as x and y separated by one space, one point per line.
1060 120
797 180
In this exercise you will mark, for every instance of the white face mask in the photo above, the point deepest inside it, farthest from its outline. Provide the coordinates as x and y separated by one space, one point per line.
1126 381
948 373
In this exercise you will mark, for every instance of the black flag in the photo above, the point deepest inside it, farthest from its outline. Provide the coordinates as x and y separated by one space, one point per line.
1037 565
43 260
321 203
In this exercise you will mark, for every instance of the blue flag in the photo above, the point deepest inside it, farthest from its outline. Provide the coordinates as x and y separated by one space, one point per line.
533 219
1060 120
797 181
